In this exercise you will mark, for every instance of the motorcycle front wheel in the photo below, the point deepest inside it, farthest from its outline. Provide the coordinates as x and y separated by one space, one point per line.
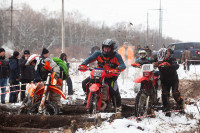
49 108
92 104
142 104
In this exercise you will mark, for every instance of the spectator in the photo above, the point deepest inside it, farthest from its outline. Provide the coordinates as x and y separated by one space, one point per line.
4 73
138 48
148 50
14 76
185 59
63 57
127 53
43 56
27 72
45 53
94 49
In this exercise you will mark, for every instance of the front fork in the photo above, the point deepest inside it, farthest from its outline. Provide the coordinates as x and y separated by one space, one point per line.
41 107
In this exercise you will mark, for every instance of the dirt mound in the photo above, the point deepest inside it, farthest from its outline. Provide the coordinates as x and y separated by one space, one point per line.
189 88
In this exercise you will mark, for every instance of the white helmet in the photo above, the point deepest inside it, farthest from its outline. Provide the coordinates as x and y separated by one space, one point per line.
163 54
33 57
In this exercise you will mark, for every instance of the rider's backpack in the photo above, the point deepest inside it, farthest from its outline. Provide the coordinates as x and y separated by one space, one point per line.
63 67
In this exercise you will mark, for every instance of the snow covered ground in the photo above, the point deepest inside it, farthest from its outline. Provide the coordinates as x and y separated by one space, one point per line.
176 123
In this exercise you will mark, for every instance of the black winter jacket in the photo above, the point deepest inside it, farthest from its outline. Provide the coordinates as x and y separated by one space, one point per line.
4 67
143 61
14 69
168 75
26 72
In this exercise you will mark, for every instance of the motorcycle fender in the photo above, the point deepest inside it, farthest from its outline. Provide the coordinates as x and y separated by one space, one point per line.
88 100
51 88
94 88
140 79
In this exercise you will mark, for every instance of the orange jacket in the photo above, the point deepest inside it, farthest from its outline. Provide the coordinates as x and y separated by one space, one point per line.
130 54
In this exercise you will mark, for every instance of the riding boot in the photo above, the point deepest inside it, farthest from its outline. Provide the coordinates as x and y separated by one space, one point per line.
166 106
179 101
180 106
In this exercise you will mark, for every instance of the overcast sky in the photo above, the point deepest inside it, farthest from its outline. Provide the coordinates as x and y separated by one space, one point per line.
181 18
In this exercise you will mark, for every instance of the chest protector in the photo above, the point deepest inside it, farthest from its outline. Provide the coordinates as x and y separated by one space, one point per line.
106 64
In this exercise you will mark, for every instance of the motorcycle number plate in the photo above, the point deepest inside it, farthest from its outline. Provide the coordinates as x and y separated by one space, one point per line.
97 73
146 68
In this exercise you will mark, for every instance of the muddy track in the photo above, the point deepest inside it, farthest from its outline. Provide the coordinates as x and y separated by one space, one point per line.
73 116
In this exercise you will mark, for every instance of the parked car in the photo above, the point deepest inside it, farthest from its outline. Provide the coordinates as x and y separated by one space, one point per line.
179 48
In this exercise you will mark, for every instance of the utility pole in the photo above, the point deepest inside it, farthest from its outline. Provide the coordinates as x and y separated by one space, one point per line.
63 28
160 26
11 22
147 39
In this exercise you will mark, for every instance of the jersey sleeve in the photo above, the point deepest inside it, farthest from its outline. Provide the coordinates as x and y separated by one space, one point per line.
121 66
92 58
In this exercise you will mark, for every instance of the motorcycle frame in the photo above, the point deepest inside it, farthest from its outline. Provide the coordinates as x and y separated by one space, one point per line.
96 88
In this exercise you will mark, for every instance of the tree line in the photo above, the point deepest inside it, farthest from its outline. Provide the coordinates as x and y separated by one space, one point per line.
33 30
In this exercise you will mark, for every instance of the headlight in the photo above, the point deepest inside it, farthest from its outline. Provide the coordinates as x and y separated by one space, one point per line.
145 74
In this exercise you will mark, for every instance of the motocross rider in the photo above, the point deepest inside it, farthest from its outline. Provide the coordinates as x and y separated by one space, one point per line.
39 64
108 59
143 59
167 66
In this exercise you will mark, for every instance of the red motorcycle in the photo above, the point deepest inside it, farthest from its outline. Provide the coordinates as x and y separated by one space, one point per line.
98 95
146 98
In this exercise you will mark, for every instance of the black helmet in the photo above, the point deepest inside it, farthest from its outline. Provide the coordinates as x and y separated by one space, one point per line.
109 43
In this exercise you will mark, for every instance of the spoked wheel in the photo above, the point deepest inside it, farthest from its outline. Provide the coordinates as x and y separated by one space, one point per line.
92 104
142 104
49 108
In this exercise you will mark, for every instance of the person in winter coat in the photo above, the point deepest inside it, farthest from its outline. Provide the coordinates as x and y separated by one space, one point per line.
27 72
63 57
108 59
14 76
127 53
41 76
148 50
168 66
186 57
4 73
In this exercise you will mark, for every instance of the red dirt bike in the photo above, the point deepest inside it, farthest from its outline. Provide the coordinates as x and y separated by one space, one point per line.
146 98
38 98
98 97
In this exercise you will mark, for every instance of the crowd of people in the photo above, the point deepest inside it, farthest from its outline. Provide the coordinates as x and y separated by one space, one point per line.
27 69
31 68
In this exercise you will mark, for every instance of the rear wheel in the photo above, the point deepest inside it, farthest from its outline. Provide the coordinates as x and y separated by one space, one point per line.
49 108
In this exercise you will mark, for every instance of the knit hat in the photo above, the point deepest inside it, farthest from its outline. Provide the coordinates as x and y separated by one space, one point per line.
2 50
16 53
45 51
26 52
